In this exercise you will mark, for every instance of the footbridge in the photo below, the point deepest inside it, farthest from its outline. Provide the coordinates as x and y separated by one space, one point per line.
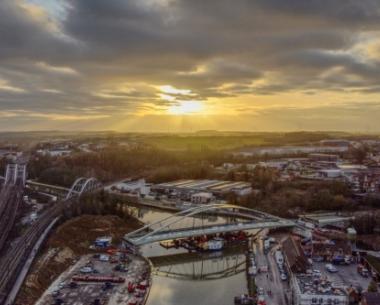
191 223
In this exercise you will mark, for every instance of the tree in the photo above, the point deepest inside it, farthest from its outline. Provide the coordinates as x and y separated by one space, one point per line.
360 153
372 287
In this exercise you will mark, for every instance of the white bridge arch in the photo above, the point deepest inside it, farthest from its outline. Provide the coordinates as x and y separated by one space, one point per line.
83 185
173 226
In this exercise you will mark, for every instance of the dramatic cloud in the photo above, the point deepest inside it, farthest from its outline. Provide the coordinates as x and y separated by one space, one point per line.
135 60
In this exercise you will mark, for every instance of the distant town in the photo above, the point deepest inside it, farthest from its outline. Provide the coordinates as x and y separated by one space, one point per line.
108 218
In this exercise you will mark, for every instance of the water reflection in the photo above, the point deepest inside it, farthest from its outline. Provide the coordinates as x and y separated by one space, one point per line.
200 266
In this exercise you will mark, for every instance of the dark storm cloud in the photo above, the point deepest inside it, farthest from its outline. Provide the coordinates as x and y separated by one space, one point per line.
22 36
218 48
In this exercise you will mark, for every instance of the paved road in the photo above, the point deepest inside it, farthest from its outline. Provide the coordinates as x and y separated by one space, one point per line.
271 280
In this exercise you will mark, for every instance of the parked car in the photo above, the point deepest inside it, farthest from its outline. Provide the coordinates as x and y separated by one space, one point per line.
318 259
317 272
263 268
330 268
86 269
56 293
73 285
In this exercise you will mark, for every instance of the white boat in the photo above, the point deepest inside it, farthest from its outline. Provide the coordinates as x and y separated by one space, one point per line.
215 244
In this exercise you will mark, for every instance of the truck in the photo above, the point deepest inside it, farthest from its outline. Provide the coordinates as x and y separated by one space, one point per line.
279 258
338 260
362 270
266 244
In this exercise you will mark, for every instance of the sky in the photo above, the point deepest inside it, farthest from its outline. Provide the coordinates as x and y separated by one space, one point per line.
180 65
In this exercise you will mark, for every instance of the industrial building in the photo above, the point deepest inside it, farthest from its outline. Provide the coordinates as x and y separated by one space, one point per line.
308 291
202 198
215 187
133 186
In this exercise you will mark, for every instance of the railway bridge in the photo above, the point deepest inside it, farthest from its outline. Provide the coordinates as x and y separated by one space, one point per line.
190 223
15 262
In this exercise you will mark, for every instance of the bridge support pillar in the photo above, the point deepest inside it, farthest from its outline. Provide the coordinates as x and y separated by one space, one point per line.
127 245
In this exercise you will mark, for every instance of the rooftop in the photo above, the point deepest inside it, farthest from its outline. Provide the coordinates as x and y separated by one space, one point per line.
317 286
295 256
212 185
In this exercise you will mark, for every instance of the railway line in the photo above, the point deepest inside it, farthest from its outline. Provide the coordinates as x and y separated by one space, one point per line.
14 259
11 262
10 201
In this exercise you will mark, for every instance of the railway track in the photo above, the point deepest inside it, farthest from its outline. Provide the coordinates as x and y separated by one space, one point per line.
10 200
12 261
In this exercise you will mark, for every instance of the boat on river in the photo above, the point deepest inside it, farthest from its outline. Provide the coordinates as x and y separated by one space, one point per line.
207 243
215 244
244 300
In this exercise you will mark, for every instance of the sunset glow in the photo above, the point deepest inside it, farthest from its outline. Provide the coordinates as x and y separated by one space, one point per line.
173 58
186 108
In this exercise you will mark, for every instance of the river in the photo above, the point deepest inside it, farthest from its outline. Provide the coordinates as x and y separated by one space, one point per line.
188 279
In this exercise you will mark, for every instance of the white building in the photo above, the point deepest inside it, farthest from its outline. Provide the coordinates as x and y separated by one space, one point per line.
54 152
216 187
202 198
134 186
307 290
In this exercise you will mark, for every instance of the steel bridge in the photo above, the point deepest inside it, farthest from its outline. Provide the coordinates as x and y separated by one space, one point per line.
83 185
190 223
79 187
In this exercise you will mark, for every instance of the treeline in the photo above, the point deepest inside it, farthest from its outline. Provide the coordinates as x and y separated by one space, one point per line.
102 203
118 162
367 222
288 199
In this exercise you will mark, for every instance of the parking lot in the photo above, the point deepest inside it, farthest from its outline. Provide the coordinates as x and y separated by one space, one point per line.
63 291
346 276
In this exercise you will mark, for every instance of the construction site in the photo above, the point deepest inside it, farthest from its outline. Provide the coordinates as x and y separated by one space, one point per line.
101 279
64 248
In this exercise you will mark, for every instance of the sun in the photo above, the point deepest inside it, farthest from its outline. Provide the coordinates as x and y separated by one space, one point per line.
186 108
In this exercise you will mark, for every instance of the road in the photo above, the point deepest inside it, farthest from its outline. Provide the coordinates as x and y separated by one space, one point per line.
270 280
